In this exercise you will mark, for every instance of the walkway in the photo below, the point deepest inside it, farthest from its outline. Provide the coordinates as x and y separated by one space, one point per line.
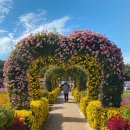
65 116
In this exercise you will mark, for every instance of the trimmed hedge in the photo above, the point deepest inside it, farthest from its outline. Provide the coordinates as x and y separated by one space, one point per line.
37 114
53 95
98 116
83 105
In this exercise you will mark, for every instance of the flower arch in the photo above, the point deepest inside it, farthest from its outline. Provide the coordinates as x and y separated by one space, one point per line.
79 77
61 50
51 77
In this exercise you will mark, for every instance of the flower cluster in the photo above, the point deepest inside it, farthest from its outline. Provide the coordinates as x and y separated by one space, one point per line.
4 99
78 95
118 123
33 74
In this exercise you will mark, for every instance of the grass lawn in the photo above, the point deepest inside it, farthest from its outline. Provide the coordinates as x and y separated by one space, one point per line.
126 94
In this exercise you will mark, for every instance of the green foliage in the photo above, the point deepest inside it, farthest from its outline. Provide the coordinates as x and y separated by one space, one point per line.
33 74
115 92
44 71
126 94
126 112
79 76
83 105
51 77
78 95
6 117
97 115
53 95
44 93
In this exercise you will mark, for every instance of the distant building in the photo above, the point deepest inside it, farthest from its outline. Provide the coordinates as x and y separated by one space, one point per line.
127 85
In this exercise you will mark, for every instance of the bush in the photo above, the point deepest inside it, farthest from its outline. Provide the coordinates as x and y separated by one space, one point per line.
44 93
78 95
53 95
118 123
97 115
27 116
34 117
93 114
126 112
83 105
6 117
39 110
18 124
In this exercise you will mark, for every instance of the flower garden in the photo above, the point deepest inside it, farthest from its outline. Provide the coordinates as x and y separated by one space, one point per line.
94 63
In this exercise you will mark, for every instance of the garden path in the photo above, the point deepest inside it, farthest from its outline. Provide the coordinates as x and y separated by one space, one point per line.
65 116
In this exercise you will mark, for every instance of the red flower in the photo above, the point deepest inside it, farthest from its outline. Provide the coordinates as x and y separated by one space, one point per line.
17 125
118 123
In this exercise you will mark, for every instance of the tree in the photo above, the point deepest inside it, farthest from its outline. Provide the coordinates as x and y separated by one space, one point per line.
1 68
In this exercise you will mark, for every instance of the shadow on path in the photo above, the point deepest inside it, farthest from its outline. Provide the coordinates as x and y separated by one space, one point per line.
65 116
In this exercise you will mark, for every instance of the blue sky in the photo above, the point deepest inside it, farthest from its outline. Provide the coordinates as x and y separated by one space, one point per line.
18 18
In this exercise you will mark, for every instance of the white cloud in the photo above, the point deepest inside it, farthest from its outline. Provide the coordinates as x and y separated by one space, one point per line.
5 7
3 31
11 35
57 25
127 59
31 20
5 45
36 22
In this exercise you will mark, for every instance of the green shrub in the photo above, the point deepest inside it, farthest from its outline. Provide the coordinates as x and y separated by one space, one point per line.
83 104
35 117
97 116
78 95
126 112
44 93
6 117
53 95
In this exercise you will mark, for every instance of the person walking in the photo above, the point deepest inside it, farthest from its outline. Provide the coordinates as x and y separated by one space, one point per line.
65 89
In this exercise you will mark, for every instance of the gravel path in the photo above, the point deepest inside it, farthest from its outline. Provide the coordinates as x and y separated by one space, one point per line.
65 116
